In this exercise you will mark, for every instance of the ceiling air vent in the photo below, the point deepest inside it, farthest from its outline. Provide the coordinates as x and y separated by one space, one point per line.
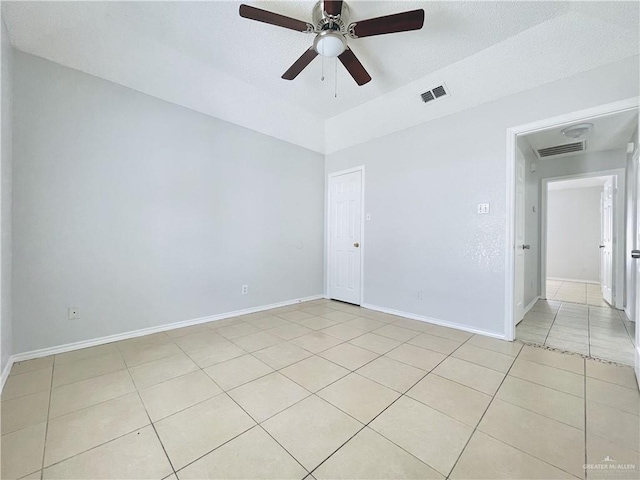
439 92
434 93
566 149
427 96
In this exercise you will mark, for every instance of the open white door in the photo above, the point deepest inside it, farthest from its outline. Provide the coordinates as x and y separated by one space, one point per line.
636 255
518 304
606 247
345 220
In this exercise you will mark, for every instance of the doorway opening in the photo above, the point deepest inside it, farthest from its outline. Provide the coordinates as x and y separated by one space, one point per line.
581 222
581 255
573 288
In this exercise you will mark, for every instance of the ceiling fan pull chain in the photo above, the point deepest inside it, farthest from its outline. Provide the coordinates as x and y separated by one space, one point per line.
335 94
322 77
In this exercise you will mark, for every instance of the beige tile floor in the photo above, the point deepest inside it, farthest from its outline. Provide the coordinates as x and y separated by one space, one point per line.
575 292
320 388
598 332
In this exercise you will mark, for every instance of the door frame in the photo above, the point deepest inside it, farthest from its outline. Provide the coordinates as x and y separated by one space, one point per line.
510 210
619 221
330 176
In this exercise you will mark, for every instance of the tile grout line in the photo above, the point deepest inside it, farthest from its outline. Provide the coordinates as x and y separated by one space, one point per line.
256 424
550 326
493 397
389 406
350 372
483 414
250 353
418 333
108 441
366 425
259 424
585 418
152 424
46 429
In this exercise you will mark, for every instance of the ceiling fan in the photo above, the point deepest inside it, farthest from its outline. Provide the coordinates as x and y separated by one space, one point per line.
331 26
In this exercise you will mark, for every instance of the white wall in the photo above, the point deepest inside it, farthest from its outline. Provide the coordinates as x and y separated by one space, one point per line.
423 185
141 213
573 234
6 79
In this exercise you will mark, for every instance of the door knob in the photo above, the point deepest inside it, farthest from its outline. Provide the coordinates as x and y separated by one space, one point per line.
635 253
526 247
600 246
356 244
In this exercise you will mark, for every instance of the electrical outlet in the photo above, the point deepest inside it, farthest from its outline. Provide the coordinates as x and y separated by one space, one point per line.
245 289
420 295
74 314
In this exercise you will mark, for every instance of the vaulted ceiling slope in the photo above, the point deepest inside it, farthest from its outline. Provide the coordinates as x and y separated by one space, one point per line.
204 56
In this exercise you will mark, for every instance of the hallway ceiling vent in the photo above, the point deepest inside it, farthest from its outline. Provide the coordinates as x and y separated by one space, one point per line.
435 93
566 149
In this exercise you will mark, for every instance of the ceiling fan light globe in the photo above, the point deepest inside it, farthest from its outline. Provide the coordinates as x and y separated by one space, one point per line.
330 44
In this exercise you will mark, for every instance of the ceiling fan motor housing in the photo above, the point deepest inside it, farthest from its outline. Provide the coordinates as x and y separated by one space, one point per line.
322 21
331 40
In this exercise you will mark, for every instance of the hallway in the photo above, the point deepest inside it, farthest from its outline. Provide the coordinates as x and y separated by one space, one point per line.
598 332
575 292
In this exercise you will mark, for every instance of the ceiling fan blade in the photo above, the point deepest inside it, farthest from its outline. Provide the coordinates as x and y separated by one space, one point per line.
399 22
333 7
300 64
253 13
354 67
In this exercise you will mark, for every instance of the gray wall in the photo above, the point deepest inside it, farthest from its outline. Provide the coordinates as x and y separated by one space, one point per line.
142 213
573 234
582 163
423 185
6 81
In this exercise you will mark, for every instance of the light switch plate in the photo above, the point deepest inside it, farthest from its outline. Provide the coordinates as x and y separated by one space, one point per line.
483 208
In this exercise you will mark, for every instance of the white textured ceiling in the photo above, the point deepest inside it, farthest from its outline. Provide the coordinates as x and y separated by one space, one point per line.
609 132
204 56
214 34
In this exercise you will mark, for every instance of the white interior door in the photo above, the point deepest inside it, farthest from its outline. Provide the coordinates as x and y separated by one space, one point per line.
519 246
636 255
606 247
345 220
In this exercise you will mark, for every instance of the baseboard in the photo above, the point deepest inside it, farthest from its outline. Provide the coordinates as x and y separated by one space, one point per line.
435 321
627 313
527 308
147 331
573 280
5 373
530 306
